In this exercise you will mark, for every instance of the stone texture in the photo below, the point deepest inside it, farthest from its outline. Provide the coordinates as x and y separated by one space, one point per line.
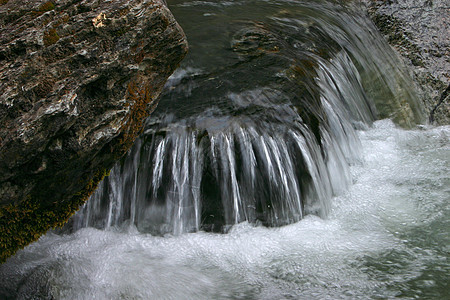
419 31
77 79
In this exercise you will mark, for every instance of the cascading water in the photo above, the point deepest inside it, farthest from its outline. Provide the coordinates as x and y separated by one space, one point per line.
270 120
269 148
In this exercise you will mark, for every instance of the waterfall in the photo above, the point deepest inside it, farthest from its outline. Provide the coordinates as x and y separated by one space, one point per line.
208 172
283 129
265 137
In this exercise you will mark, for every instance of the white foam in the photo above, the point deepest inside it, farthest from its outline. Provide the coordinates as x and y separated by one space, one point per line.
402 185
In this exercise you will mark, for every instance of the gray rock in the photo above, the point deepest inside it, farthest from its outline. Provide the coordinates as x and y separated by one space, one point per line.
77 79
419 31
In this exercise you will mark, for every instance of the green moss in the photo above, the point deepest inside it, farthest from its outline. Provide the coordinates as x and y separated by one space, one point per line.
50 37
142 104
47 6
24 223
43 8
13 16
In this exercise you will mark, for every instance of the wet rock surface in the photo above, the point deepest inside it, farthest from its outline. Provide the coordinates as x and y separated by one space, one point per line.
419 31
77 79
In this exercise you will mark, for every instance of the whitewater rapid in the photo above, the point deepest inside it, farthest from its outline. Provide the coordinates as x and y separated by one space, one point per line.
387 236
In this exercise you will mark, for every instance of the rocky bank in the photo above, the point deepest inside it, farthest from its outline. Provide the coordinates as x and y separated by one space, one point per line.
419 31
77 79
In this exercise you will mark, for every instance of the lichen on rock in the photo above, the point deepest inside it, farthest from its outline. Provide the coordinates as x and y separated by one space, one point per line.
77 78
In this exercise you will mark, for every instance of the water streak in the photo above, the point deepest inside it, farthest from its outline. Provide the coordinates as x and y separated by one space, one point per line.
258 171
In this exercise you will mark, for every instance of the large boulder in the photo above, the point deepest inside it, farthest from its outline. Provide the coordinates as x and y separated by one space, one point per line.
77 79
419 31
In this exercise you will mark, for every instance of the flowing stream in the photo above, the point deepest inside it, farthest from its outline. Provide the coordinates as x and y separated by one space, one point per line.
285 160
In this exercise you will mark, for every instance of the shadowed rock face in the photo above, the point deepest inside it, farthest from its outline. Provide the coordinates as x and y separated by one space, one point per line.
418 30
77 78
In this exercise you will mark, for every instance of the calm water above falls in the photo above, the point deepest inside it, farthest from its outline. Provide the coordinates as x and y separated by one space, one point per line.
267 132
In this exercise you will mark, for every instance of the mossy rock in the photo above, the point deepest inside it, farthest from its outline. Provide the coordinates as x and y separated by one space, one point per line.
67 113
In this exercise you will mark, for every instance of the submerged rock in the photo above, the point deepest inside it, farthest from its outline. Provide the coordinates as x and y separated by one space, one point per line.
77 79
418 30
